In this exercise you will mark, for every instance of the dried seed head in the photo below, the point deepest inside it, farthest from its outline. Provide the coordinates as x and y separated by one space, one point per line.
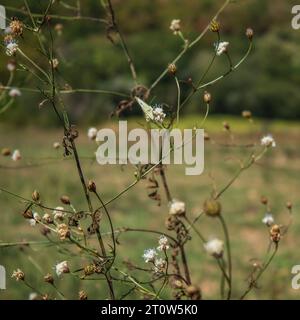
215 26
47 218
6 152
247 114
63 231
28 214
206 136
207 97
172 68
177 208
171 222
82 295
226 126
275 234
65 200
49 278
16 27
194 292
18 275
92 186
89 269
289 205
35 195
264 200
249 33
212 208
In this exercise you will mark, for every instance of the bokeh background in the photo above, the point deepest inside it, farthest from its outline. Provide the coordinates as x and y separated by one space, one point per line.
267 84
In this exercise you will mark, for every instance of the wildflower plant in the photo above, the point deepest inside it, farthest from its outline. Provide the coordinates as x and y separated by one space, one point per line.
165 266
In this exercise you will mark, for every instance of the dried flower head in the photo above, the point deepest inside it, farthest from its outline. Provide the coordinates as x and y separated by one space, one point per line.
212 208
159 265
193 292
207 97
221 48
54 62
215 248
249 33
56 145
158 114
264 200
65 200
215 26
6 152
149 255
47 218
172 68
177 208
35 195
27 214
82 295
268 141
18 275
275 233
92 186
11 45
16 27
63 231
89 269
175 26
62 267
289 205
247 114
268 219
49 278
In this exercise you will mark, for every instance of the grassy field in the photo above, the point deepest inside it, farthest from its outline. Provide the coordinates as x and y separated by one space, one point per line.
43 168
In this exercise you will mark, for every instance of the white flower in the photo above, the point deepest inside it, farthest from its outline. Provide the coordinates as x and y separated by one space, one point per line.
32 296
214 247
11 66
62 267
268 219
92 133
58 213
16 155
163 243
158 114
221 47
159 265
175 26
56 145
11 48
54 62
177 208
268 141
32 222
14 92
149 255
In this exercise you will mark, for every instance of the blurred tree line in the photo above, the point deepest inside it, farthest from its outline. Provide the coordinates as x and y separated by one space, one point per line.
266 84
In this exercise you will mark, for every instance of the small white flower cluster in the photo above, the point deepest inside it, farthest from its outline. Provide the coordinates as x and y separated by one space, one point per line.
268 219
268 141
158 114
163 243
59 213
221 47
175 26
151 255
16 155
92 133
35 219
11 47
14 92
177 208
62 267
214 247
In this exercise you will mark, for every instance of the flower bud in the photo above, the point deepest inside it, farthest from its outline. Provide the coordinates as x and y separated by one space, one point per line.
92 186
207 97
82 295
35 195
264 200
194 292
226 126
18 275
215 26
249 33
172 68
275 234
49 278
65 200
289 205
247 114
6 152
28 214
212 208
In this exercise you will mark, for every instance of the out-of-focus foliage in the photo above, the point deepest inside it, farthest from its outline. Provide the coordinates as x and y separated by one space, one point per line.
266 84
